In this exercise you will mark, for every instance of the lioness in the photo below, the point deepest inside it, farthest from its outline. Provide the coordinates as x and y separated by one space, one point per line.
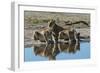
69 35
43 35
55 29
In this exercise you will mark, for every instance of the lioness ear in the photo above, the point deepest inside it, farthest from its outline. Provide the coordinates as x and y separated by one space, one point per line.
51 23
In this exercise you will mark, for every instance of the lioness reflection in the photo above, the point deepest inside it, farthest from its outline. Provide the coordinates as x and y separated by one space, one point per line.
50 51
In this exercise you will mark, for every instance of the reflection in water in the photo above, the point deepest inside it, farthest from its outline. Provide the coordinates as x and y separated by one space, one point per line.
50 51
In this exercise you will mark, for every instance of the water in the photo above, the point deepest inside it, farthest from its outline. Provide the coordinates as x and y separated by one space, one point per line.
64 51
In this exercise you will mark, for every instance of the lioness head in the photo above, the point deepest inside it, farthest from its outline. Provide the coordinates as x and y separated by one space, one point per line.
51 23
